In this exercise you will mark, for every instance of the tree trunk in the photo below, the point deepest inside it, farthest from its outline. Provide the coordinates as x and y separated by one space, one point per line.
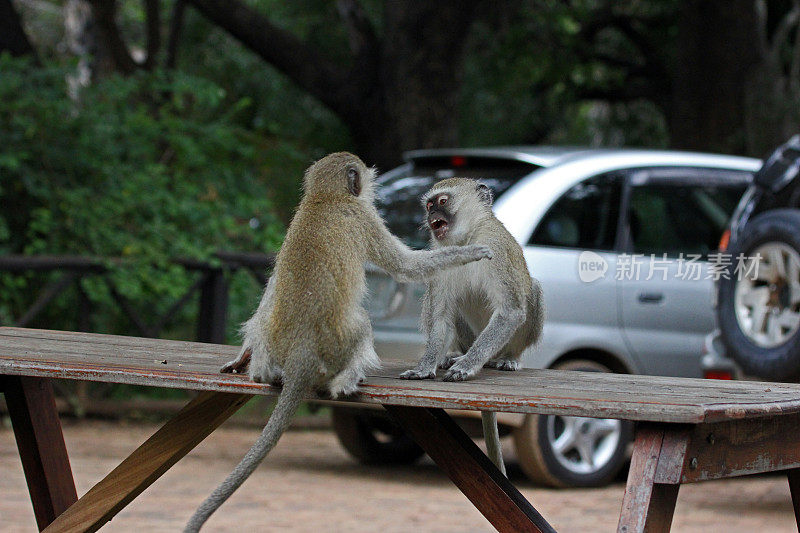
717 54
415 102
12 35
401 90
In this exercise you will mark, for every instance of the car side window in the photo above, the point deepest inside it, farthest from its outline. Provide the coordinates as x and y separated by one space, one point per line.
585 217
679 218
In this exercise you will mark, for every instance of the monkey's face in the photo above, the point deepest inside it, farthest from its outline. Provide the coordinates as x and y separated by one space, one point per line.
453 205
439 213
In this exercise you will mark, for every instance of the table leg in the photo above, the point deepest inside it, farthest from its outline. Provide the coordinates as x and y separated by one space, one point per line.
40 442
794 487
469 468
149 462
647 506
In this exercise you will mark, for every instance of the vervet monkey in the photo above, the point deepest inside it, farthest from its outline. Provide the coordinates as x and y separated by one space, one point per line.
311 331
487 313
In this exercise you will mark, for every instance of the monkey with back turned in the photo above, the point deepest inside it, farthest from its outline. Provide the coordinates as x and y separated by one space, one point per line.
310 330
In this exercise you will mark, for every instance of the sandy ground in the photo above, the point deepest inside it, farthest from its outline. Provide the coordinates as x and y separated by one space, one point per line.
310 484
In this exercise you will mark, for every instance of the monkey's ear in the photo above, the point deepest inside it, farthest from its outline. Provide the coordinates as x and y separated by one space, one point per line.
353 182
485 194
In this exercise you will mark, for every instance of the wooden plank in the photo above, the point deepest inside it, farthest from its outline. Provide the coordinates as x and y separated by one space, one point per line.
647 506
568 380
40 442
148 462
673 456
471 471
153 359
194 366
742 447
793 476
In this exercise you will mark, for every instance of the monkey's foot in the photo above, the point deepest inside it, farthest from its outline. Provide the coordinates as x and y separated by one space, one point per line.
503 364
455 374
237 365
418 374
450 360
345 384
272 378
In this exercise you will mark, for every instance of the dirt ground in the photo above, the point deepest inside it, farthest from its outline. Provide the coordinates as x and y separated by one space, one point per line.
310 484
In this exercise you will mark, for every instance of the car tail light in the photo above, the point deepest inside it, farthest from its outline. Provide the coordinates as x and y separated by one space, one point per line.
458 161
725 240
717 374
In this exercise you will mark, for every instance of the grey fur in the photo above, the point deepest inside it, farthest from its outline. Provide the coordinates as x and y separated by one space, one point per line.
492 437
490 311
310 330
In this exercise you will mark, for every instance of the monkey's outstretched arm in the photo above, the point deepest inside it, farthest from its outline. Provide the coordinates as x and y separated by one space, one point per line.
253 337
405 264
501 327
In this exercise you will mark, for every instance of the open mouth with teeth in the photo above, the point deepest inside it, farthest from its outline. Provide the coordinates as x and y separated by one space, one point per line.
438 225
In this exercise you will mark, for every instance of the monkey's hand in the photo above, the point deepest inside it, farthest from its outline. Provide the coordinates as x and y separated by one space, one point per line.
416 373
479 251
239 364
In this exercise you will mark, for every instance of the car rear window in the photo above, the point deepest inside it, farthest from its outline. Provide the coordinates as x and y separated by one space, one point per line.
399 196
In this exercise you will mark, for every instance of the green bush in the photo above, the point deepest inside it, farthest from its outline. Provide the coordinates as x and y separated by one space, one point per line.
145 168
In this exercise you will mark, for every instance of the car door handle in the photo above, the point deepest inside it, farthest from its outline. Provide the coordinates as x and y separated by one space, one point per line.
651 297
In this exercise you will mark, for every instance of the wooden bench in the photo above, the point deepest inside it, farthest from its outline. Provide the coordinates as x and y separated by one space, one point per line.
689 429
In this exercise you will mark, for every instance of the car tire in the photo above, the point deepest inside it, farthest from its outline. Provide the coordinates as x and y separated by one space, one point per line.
373 438
759 319
536 439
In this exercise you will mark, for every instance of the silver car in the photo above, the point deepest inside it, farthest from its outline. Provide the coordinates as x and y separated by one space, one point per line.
621 242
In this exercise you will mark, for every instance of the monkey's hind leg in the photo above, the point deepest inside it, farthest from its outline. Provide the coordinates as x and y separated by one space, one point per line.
464 339
492 339
364 359
236 366
450 359
264 370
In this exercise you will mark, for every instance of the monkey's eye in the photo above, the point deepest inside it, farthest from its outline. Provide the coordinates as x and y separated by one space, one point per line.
442 199
351 173
429 205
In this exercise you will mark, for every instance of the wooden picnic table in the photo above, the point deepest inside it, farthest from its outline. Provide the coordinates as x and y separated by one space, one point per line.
688 430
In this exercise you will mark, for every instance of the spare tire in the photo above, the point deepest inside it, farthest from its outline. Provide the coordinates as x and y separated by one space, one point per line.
758 310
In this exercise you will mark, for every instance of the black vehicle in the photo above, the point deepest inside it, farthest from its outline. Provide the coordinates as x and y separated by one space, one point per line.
758 301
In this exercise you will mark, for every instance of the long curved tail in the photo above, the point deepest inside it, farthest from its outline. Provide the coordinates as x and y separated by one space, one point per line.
491 435
289 400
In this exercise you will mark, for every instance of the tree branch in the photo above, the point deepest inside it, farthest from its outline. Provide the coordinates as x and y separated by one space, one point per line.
306 67
624 24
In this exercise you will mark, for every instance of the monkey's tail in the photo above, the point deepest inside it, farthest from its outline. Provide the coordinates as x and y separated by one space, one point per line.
536 309
289 400
491 435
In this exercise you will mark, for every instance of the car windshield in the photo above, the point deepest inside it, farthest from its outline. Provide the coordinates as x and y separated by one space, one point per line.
399 196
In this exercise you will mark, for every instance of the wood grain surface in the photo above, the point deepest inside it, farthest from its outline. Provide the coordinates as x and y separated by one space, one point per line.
189 365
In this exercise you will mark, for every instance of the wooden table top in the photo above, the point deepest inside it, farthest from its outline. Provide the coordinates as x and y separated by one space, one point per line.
195 366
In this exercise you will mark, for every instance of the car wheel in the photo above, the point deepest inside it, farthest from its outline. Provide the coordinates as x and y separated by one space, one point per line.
373 438
758 308
571 451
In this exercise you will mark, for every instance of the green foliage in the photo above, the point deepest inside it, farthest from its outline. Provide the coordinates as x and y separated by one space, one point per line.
537 78
146 168
303 129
